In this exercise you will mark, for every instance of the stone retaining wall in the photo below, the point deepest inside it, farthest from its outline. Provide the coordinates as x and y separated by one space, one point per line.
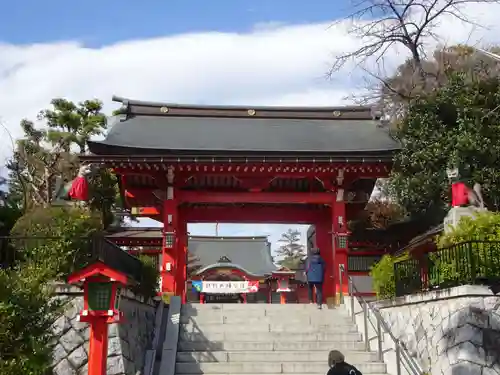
450 332
127 343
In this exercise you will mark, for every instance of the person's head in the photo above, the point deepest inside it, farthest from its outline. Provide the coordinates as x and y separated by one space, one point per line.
335 357
315 251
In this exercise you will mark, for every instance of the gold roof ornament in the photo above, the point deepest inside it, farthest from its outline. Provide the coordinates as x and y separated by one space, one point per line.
251 112
164 109
224 259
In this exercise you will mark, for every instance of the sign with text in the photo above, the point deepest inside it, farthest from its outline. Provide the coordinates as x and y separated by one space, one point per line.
225 287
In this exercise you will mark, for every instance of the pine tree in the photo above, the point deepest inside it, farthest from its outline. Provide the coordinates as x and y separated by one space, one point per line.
291 253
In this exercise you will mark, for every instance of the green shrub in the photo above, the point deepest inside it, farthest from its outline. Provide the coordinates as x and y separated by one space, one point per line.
147 287
382 274
56 237
27 308
467 252
484 226
383 278
26 313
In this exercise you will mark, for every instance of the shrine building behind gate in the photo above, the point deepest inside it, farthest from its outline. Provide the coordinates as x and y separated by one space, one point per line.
215 258
206 164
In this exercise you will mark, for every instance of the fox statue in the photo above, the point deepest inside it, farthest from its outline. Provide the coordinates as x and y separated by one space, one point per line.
75 190
462 195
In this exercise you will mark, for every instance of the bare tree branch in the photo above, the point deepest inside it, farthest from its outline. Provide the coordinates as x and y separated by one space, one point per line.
383 24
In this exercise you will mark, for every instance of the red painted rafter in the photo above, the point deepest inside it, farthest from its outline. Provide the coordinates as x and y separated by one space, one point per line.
129 241
261 197
367 253
297 170
146 251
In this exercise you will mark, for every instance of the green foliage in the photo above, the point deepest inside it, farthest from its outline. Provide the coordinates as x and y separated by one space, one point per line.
383 278
407 83
26 307
456 125
61 242
73 124
104 195
291 252
26 313
44 155
150 275
468 252
9 214
382 274
484 226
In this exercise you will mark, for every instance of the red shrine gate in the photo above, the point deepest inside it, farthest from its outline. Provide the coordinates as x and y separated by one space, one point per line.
200 164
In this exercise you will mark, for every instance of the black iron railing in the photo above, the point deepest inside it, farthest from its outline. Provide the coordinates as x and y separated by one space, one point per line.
14 251
362 263
471 262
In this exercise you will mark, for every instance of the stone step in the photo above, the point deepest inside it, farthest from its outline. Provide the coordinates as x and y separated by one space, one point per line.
230 318
266 327
248 306
271 356
270 368
260 310
268 336
248 346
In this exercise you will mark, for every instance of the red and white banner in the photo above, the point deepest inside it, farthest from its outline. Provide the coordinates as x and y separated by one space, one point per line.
229 287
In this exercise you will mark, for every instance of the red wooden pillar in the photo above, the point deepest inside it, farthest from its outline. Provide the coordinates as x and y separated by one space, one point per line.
181 260
170 251
340 241
98 346
325 245
269 291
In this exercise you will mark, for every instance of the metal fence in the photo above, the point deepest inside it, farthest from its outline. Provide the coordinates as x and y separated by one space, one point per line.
16 251
356 263
471 262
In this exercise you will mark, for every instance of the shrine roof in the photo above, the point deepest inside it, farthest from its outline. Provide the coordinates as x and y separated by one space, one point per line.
157 129
252 254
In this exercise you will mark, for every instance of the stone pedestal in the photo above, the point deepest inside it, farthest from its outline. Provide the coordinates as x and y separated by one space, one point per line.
456 213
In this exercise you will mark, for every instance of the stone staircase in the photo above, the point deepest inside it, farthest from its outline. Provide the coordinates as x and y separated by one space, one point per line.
267 339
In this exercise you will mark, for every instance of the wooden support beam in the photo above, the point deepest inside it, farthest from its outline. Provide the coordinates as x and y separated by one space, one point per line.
255 197
274 215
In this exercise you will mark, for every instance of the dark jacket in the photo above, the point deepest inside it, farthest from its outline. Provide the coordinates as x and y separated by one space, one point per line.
315 269
343 369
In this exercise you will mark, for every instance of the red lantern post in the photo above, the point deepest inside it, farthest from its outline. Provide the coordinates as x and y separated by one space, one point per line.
102 289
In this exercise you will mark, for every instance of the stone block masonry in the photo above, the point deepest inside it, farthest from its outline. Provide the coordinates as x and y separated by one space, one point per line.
449 332
128 341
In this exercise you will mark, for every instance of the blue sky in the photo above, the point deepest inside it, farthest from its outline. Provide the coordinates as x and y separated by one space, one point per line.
99 23
103 22
260 52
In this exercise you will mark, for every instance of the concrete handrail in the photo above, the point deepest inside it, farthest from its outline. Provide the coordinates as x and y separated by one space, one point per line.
149 362
169 348
381 328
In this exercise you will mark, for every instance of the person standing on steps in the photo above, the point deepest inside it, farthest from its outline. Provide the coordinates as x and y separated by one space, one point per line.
315 273
338 365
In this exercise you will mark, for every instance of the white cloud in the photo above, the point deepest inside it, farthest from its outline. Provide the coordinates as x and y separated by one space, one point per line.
272 65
